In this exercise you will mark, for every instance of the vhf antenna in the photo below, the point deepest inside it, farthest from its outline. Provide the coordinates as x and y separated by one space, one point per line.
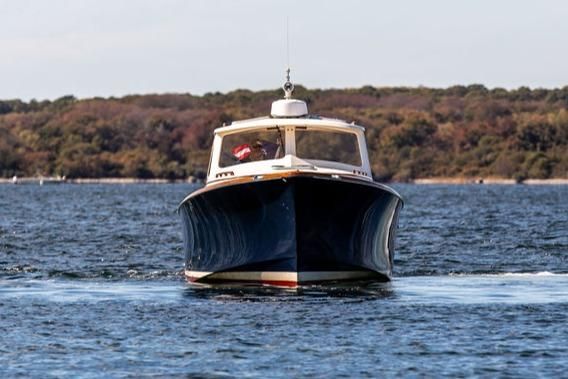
288 86
288 41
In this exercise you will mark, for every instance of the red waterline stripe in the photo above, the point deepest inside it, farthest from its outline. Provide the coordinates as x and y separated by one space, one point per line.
281 283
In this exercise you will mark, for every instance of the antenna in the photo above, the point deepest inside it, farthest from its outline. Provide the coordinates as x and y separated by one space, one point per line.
288 86
288 41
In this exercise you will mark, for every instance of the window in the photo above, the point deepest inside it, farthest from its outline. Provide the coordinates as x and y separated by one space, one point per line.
252 146
339 147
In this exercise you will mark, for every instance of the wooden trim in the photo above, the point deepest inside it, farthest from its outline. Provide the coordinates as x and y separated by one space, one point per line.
346 178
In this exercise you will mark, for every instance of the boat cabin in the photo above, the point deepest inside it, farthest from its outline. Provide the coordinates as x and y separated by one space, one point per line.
289 140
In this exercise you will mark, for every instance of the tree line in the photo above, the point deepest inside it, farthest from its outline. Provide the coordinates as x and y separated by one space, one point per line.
461 131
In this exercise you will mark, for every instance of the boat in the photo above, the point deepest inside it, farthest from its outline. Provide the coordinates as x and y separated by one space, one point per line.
289 200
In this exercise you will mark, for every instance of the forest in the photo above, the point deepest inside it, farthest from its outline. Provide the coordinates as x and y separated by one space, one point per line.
460 131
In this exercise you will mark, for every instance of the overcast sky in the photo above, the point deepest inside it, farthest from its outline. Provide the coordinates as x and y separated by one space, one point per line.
115 47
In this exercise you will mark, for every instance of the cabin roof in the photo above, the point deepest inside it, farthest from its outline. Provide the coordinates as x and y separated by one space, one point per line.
309 120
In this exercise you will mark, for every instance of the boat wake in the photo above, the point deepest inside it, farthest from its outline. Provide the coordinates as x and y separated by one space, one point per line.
513 274
462 289
503 288
529 274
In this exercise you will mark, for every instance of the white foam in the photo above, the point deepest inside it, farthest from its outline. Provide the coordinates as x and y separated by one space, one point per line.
508 288
513 274
542 273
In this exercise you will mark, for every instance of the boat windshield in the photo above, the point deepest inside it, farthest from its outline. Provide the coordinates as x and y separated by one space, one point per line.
252 146
331 146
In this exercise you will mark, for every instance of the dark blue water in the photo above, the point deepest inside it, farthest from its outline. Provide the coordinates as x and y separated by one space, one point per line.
91 286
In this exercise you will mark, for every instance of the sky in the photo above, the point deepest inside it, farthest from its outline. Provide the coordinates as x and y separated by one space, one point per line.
89 48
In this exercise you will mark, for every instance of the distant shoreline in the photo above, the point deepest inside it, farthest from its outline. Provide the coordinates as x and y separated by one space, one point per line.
56 180
490 180
193 180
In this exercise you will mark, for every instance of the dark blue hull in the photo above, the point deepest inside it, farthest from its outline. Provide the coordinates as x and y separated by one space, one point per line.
315 227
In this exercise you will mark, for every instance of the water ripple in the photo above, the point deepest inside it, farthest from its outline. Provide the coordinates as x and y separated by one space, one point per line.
91 285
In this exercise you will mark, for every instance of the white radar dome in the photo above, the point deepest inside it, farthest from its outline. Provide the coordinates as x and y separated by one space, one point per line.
289 108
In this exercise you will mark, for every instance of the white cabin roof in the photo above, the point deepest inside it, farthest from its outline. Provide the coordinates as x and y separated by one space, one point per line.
308 121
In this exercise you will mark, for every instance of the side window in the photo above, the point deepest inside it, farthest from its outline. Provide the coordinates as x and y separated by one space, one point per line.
339 147
252 146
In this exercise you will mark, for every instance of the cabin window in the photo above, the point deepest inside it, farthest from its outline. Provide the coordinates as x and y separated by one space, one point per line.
252 146
328 146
